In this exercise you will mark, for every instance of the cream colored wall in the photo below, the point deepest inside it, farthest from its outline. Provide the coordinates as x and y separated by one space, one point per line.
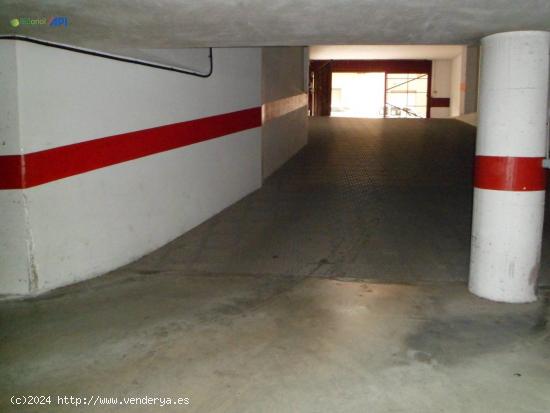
441 85
284 101
458 83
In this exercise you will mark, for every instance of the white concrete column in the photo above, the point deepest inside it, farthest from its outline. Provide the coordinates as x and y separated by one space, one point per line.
509 181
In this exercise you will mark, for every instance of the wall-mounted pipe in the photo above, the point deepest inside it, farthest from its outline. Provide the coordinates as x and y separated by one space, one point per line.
113 56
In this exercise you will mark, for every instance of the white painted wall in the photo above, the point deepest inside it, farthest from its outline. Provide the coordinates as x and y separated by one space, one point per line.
441 85
91 223
449 80
458 83
14 265
373 52
195 59
439 113
282 72
441 78
283 77
472 78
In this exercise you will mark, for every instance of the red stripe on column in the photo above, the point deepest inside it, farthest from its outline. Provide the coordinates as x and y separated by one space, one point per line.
503 173
37 168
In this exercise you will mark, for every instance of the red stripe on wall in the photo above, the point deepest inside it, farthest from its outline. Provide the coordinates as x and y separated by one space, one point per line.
503 173
440 102
37 168
11 172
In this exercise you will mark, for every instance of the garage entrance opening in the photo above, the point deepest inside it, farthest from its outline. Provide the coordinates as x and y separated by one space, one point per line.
391 81
370 88
406 95
379 95
358 95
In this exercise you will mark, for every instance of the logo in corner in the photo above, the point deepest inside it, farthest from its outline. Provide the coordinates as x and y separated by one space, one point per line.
54 21
57 21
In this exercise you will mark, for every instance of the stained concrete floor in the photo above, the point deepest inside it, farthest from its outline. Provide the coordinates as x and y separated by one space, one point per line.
291 320
276 344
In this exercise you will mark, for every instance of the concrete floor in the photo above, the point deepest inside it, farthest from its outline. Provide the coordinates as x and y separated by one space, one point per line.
339 286
277 344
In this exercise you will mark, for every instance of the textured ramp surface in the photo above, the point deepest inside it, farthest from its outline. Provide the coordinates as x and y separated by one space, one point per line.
386 200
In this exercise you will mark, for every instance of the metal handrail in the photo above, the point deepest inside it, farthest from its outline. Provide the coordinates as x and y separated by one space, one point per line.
406 110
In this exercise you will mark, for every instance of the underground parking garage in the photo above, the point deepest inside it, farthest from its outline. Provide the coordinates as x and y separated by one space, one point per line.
243 207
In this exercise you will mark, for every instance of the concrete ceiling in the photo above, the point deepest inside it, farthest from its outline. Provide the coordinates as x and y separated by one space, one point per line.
430 52
187 23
